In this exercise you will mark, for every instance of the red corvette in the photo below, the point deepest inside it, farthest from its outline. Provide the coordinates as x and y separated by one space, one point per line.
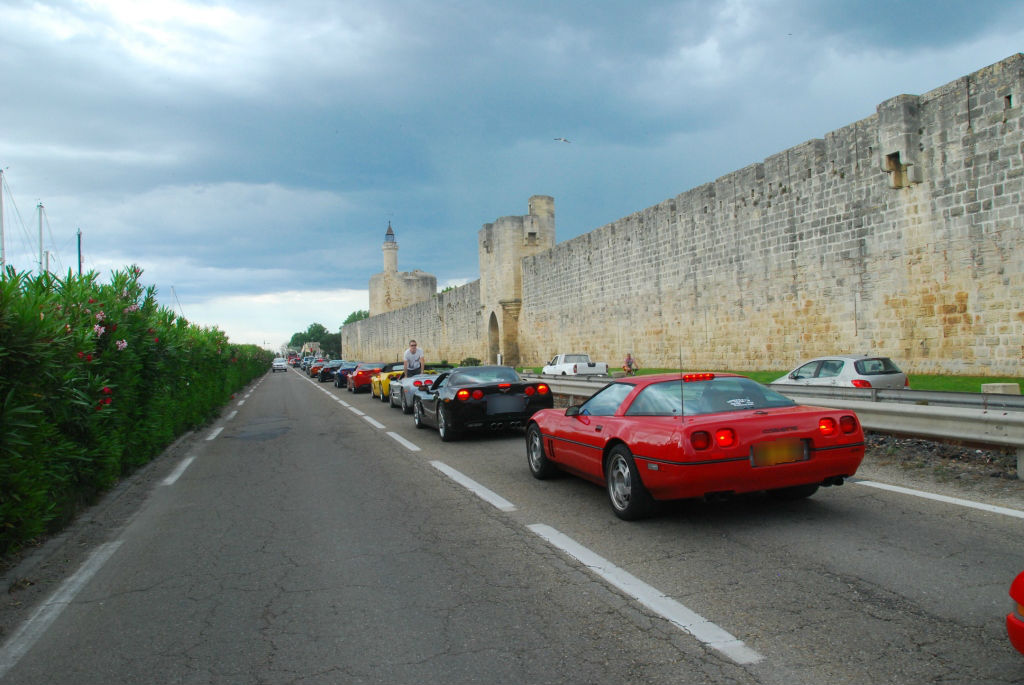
672 436
1015 619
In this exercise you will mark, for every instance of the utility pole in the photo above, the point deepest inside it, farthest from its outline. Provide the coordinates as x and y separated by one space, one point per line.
40 208
79 252
3 253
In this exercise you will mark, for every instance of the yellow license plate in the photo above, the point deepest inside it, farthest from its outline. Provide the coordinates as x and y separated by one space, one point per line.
778 452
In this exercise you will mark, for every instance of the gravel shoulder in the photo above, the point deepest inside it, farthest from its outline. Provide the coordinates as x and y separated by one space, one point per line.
982 475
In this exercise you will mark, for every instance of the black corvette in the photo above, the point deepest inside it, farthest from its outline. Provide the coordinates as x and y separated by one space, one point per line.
478 397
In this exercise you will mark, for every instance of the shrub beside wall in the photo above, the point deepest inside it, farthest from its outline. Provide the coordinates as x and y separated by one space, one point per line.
95 380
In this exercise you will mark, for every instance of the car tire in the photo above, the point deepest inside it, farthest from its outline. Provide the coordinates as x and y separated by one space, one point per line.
417 415
541 467
445 426
626 492
794 493
406 408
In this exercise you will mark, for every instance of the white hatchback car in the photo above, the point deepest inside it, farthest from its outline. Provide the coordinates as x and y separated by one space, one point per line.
848 370
280 364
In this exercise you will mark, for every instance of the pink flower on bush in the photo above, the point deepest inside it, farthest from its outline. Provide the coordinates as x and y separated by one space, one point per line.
132 308
122 344
100 316
98 330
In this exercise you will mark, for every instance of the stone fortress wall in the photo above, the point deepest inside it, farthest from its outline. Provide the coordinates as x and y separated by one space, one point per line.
901 234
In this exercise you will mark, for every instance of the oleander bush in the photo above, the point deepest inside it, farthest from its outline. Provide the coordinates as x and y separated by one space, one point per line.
95 380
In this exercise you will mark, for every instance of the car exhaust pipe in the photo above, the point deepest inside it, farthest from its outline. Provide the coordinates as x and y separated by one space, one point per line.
834 480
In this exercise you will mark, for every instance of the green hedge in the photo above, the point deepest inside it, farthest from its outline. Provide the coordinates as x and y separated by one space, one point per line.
95 380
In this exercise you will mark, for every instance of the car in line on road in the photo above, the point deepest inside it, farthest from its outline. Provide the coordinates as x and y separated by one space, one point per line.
280 364
327 371
315 366
342 372
848 370
401 390
478 398
380 384
359 378
680 436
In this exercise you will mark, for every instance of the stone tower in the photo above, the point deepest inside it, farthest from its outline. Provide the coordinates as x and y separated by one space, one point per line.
392 289
502 246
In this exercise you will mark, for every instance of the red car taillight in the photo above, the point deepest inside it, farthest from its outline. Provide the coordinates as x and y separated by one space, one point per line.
466 394
543 389
725 437
701 440
860 383
848 424
827 426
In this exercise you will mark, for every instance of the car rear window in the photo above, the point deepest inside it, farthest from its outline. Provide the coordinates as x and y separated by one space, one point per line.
495 374
876 367
672 398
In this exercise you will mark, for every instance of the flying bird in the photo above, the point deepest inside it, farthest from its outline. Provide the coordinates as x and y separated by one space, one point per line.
562 140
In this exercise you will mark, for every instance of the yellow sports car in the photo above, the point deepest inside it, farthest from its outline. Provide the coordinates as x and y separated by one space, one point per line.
380 384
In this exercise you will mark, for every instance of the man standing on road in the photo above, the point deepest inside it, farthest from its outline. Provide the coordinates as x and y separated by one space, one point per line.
413 360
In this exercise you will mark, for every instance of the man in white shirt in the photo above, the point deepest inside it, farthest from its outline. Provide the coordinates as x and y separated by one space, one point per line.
414 360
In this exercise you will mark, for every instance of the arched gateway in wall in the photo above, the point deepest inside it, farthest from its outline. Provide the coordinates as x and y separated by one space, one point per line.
493 339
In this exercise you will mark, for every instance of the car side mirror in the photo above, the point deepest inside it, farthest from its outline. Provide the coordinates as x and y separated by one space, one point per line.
572 411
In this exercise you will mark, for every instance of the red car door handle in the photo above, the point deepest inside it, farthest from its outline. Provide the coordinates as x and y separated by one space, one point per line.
598 428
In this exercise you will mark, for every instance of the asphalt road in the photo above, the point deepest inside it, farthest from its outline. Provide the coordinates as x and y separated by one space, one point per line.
316 536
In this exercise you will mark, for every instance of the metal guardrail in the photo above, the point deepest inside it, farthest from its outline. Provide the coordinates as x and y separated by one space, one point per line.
974 418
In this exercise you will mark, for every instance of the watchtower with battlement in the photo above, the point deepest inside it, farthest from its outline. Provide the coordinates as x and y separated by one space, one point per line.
502 246
393 289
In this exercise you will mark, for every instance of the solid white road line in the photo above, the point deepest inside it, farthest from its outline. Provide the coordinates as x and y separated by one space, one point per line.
403 442
480 491
666 607
215 433
34 627
1016 513
176 474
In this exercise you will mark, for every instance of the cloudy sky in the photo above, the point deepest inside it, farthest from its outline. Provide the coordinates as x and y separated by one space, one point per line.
248 155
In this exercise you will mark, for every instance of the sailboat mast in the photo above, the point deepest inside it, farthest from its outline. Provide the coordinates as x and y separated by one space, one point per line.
40 208
3 253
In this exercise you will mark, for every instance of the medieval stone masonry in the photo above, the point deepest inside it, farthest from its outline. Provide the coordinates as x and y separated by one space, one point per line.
901 234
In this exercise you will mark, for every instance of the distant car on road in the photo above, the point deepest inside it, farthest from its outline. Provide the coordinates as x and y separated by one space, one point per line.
342 372
327 371
848 370
280 364
359 378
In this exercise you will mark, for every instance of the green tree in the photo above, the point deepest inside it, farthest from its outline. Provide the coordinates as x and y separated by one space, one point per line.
357 315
